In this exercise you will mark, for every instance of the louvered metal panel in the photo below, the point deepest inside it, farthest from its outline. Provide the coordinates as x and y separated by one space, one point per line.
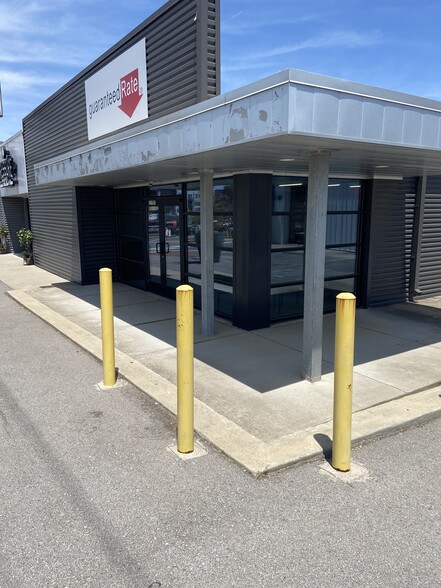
391 239
54 225
97 231
13 216
429 277
410 200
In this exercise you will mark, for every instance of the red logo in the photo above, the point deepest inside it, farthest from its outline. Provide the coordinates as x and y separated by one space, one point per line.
131 93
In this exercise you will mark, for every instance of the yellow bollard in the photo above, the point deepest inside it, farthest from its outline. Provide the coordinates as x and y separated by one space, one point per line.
108 340
343 374
184 345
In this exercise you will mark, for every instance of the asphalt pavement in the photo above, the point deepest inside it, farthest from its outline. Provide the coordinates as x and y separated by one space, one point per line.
92 496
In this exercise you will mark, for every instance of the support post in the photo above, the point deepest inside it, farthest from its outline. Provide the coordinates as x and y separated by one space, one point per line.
343 377
315 247
107 327
185 359
207 257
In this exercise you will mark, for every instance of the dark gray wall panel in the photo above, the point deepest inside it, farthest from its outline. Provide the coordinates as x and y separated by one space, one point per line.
252 251
390 241
410 200
13 216
429 278
96 216
54 225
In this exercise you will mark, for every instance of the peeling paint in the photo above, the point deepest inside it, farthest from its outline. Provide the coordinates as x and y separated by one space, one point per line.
277 126
263 115
239 124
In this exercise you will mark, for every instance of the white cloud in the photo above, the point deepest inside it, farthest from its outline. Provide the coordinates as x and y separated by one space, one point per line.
346 39
13 81
239 26
336 39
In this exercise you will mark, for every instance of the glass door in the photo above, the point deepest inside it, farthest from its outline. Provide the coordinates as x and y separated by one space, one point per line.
165 263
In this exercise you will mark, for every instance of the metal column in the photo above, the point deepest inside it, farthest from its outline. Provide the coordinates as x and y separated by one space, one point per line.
317 205
207 268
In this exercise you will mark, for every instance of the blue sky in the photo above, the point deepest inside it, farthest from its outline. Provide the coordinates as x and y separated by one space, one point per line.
394 44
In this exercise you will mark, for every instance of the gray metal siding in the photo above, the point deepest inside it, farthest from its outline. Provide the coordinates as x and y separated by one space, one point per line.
429 278
96 214
54 225
390 241
13 216
177 77
409 210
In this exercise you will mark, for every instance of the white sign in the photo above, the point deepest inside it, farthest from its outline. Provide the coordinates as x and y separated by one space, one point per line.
116 96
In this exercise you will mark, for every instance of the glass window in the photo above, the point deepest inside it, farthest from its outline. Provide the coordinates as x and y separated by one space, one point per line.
341 229
288 239
130 224
344 195
287 266
132 249
332 288
223 230
289 210
340 262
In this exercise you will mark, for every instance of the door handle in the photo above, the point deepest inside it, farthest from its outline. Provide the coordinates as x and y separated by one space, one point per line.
158 248
167 248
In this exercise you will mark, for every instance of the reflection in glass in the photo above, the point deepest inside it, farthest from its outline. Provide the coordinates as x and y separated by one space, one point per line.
287 266
340 261
341 228
288 238
332 288
289 209
172 246
222 242
344 195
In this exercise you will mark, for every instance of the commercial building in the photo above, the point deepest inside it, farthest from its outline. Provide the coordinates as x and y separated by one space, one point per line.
268 200
14 204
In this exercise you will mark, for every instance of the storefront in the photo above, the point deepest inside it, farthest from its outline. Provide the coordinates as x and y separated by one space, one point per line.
14 209
268 200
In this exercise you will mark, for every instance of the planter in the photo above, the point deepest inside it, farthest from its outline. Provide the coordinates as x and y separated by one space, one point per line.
25 239
3 242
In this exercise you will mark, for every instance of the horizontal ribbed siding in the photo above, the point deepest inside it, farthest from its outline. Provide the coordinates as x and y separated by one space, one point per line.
429 282
213 49
13 216
54 225
391 238
171 60
410 199
175 75
97 222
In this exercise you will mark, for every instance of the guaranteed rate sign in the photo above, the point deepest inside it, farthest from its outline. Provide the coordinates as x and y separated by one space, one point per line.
116 96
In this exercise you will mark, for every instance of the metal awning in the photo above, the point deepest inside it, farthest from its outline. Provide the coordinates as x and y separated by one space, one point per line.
271 126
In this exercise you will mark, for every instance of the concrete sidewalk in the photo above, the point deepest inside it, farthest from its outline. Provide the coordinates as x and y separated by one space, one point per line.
251 401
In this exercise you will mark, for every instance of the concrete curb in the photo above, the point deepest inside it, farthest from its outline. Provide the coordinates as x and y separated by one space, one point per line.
253 454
